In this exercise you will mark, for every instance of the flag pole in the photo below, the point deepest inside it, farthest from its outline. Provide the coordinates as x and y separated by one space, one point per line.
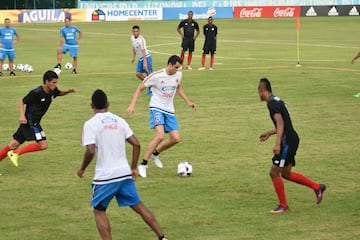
298 41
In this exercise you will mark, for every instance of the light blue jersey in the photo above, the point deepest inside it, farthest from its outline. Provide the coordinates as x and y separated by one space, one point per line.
7 37
69 34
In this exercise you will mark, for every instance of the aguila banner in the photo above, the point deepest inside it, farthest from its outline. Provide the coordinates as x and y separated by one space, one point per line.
267 11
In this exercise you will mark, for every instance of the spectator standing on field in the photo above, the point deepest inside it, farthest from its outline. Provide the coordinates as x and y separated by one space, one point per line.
105 134
144 64
210 33
37 102
188 37
286 145
164 83
9 37
70 37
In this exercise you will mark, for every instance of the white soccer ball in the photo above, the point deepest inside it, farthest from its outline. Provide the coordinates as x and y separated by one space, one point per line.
68 66
184 169
29 69
6 67
20 67
57 71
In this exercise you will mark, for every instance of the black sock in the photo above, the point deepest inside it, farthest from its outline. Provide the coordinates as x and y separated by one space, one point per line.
144 162
155 152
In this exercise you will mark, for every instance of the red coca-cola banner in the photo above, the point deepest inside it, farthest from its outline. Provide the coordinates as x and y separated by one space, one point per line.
267 12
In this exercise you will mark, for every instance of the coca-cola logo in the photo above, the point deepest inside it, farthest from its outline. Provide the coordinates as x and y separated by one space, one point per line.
251 13
287 12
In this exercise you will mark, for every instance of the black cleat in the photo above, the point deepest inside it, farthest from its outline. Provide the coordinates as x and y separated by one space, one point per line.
12 73
58 66
74 71
319 193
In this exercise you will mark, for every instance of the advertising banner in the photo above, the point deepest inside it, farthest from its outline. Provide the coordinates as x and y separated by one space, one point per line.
267 11
332 11
43 15
120 14
208 3
199 13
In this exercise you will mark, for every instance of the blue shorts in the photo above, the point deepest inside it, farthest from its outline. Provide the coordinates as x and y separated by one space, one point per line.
9 53
169 121
73 49
140 65
124 191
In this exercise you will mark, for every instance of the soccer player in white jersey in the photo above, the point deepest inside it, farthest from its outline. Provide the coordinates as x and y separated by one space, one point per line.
164 83
106 135
144 64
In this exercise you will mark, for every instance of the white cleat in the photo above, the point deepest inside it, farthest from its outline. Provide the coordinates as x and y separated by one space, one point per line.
201 69
142 170
188 67
156 160
210 68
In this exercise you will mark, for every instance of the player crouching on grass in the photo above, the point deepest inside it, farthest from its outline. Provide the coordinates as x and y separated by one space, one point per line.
37 102
286 145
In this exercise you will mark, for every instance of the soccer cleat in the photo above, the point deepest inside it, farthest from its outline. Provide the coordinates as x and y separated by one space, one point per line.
12 73
280 209
142 170
156 160
58 66
319 193
188 67
202 68
210 68
181 67
164 237
74 71
14 157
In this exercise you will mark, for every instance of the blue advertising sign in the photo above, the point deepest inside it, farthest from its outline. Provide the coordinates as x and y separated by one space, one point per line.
199 13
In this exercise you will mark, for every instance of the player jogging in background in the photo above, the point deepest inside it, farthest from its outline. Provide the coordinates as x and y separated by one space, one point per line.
188 37
37 102
144 64
286 145
70 37
164 83
8 41
210 33
106 134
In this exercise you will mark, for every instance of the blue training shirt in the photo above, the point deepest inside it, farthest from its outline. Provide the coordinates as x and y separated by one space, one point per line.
69 34
7 37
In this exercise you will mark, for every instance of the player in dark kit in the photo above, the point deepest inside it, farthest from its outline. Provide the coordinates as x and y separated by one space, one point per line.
37 102
188 36
210 33
286 145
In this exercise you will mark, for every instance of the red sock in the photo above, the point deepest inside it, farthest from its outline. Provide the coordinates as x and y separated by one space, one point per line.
280 191
301 179
32 147
203 60
212 58
3 152
189 59
182 56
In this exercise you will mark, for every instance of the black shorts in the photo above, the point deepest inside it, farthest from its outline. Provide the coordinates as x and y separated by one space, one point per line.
188 43
286 157
209 48
29 133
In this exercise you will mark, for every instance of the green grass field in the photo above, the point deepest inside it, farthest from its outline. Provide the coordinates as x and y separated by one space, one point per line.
230 192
